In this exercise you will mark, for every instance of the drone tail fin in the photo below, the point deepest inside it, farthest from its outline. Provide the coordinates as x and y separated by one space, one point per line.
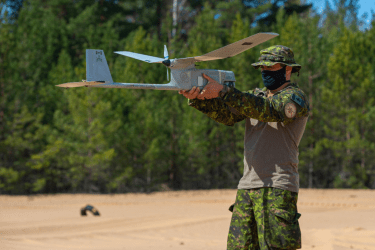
97 67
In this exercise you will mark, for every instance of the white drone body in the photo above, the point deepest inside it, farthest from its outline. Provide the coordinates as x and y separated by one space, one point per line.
184 75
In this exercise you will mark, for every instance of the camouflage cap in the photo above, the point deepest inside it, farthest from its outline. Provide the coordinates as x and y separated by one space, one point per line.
277 54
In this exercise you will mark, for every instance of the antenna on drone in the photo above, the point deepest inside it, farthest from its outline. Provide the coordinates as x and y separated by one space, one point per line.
166 57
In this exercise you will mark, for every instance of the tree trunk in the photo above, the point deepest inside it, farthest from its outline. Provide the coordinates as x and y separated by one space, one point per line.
2 111
348 149
148 179
217 167
89 152
311 165
175 5
159 14
174 173
363 140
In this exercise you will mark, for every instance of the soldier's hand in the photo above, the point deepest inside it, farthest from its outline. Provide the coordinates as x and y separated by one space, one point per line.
211 90
190 94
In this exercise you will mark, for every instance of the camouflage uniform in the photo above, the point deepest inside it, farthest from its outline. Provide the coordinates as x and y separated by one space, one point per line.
263 218
237 105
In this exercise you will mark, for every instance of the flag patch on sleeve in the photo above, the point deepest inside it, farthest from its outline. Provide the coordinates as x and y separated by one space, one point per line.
298 100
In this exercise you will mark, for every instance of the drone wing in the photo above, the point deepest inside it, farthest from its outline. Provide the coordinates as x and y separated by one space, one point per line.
232 49
145 58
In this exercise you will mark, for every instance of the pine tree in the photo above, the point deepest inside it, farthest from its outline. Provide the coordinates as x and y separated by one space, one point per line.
351 99
311 50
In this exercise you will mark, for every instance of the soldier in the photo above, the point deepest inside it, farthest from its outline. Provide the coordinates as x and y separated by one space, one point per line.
265 211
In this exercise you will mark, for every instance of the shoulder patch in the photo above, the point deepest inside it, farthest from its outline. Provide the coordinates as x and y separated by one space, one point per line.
298 100
290 110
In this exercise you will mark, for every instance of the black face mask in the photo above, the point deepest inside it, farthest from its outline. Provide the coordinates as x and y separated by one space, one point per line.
274 79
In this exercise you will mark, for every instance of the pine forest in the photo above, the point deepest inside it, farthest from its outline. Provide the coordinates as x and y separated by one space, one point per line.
96 140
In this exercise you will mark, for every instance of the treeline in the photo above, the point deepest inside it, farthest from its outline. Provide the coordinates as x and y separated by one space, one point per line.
117 140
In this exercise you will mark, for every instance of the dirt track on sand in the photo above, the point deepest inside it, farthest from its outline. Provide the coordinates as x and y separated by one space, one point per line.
191 220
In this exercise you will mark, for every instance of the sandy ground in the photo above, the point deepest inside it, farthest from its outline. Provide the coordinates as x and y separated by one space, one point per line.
331 220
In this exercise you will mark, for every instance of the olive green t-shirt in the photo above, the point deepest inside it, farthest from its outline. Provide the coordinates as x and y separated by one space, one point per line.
271 154
274 128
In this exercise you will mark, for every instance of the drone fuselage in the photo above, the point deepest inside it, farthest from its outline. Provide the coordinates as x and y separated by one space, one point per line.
189 77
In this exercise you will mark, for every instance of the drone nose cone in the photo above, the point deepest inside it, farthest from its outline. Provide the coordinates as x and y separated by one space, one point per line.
167 63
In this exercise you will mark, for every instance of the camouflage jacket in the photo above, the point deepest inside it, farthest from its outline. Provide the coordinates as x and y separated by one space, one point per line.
236 106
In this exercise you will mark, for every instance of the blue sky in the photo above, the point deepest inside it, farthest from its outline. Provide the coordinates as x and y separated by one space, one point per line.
364 6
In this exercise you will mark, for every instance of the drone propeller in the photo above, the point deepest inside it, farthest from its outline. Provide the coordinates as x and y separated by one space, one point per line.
145 58
224 52
166 57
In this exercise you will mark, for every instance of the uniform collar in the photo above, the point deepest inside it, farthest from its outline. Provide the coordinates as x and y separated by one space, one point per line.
290 85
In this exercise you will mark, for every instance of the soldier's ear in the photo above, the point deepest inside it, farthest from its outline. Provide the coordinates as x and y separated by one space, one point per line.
288 72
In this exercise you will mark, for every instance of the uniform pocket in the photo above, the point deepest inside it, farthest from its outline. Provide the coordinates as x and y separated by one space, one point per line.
286 215
282 229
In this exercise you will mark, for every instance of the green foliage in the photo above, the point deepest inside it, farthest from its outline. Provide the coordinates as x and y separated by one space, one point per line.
350 98
312 51
117 140
9 179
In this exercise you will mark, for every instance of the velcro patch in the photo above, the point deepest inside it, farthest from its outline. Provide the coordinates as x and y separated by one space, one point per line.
298 100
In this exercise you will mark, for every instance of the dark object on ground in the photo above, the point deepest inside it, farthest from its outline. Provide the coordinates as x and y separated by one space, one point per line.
90 208
231 208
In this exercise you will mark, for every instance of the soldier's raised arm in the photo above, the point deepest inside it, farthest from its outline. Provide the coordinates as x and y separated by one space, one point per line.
214 108
284 106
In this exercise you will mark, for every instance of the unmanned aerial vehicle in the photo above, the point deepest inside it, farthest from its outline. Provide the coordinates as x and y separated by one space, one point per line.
184 75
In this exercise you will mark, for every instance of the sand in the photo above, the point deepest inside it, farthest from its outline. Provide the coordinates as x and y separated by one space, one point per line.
331 220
